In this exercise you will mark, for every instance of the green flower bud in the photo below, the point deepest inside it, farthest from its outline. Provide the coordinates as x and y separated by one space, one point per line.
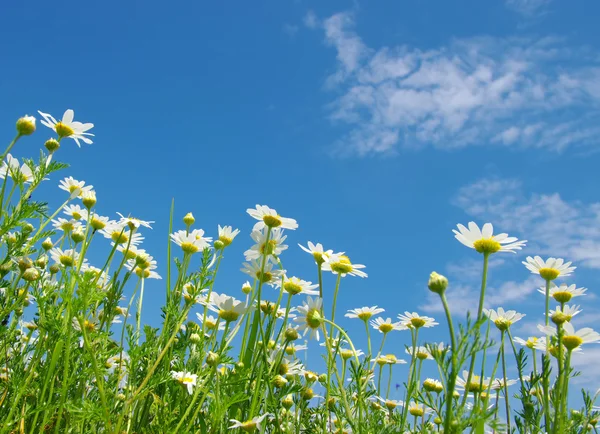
437 283
26 125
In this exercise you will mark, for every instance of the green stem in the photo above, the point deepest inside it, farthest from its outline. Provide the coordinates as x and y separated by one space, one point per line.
506 397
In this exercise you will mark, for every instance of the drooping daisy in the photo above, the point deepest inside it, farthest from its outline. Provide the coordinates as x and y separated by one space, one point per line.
564 292
191 242
414 320
134 223
340 264
268 275
503 319
227 234
71 186
186 378
66 127
386 326
484 241
364 313
11 168
294 286
310 319
317 251
549 269
269 217
273 247
228 308
250 425
418 410
572 338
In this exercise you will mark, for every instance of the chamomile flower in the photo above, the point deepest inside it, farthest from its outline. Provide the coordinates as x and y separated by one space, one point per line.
67 258
310 319
503 319
572 338
143 273
73 186
414 320
529 343
67 127
228 308
65 225
292 349
273 247
120 234
191 242
364 313
269 217
475 385
421 353
133 223
317 251
185 378
566 313
227 234
211 322
549 269
498 383
250 425
294 286
76 212
11 168
386 326
390 404
268 275
564 293
340 264
484 240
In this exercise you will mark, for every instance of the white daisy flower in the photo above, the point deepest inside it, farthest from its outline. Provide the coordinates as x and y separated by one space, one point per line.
549 269
421 353
73 186
269 217
67 258
566 313
228 308
120 234
310 319
364 313
292 349
186 378
191 242
529 343
294 286
484 241
269 275
76 212
143 272
211 322
340 264
66 127
414 320
476 384
133 223
503 319
317 251
250 425
11 168
274 247
564 292
65 225
227 234
573 339
386 326
390 404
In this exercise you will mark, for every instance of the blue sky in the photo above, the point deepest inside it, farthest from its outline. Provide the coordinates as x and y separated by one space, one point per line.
377 125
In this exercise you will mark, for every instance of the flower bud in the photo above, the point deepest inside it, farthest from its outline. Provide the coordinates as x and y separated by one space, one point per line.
291 334
88 198
287 402
77 236
212 359
47 244
27 228
437 283
52 145
195 338
5 269
246 288
42 261
323 378
24 263
189 219
279 381
54 268
307 393
559 318
121 397
31 275
26 125
218 244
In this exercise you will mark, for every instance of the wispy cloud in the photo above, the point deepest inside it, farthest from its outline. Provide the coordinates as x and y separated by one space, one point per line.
528 8
478 91
569 229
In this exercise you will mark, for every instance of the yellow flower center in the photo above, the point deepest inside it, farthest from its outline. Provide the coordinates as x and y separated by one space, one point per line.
416 411
290 351
97 224
292 287
67 226
343 266
502 324
283 368
390 405
272 221
267 307
268 248
346 354
562 296
190 248
530 343
210 324
264 277
365 316
549 273
318 257
487 245
417 322
307 393
381 361
63 130
76 215
572 342
66 260
228 315
89 326
385 327
313 318
119 237
187 380
422 355
142 273
225 240
474 385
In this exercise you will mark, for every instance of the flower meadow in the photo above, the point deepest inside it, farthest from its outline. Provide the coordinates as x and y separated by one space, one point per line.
75 356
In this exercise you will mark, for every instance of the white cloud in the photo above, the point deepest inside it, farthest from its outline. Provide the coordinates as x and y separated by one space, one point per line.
527 8
514 92
554 226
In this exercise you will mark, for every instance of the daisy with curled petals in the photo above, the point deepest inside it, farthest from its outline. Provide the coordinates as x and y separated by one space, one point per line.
310 319
227 234
564 312
294 286
340 264
414 320
484 241
386 326
549 269
185 378
274 245
67 127
191 242
564 293
250 425
503 319
364 313
317 251
269 217
133 223
264 274
228 308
